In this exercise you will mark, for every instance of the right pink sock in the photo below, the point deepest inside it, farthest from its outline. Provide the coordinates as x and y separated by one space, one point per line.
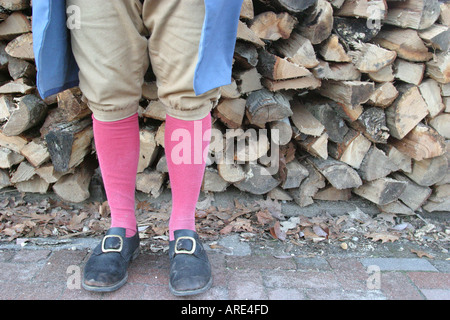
117 144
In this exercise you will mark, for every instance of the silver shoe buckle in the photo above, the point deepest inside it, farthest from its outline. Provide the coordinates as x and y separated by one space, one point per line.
112 249
194 246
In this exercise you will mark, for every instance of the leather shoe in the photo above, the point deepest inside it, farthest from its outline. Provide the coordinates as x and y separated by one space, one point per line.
106 268
190 270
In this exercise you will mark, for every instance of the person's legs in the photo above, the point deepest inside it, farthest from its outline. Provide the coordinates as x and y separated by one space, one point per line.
176 29
185 144
110 48
111 51
117 145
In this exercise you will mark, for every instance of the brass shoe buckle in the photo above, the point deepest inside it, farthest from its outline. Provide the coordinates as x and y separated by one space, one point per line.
112 249
194 246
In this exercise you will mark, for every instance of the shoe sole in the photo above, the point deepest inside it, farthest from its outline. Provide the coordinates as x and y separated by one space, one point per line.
191 292
115 286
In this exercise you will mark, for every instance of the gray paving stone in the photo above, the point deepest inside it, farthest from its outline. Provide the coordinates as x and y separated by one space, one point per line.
399 264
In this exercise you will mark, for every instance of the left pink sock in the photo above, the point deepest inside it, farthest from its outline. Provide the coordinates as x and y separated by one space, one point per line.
117 145
186 144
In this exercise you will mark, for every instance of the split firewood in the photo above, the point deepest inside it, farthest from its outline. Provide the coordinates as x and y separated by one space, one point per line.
24 172
318 22
36 152
258 180
336 71
347 92
244 33
276 68
309 187
74 187
213 182
385 74
7 107
18 86
247 11
298 49
415 14
372 123
230 91
352 149
231 172
15 5
444 17
21 47
375 165
276 194
4 179
317 146
264 106
150 182
334 125
155 110
284 129
406 111
15 143
436 36
441 124
368 57
339 175
347 111
422 142
439 200
30 111
333 50
293 6
69 143
148 148
363 9
308 82
401 160
16 24
19 68
295 173
330 193
384 95
352 30
406 42
248 80
245 55
414 195
381 191
431 93
428 171
33 185
271 26
410 72
439 67
9 158
231 112
48 173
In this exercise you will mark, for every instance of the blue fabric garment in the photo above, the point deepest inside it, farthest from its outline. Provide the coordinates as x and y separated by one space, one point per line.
57 69
55 63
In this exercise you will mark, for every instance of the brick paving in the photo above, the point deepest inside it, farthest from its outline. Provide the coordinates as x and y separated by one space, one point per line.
54 274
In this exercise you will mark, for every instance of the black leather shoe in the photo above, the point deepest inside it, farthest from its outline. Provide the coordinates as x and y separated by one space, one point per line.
190 271
106 269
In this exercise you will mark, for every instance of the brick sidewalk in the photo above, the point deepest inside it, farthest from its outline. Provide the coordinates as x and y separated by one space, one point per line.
46 274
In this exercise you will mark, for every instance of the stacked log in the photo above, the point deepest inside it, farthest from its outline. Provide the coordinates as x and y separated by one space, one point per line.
329 99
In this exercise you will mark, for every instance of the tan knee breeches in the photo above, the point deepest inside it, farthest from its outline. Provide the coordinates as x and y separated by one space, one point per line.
117 40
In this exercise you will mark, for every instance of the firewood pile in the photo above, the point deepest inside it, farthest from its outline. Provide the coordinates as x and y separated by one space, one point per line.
329 99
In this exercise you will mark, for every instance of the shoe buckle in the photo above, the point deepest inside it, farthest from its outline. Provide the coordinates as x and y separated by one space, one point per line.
194 246
112 249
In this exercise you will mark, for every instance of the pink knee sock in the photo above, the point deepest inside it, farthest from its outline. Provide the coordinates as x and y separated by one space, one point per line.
186 144
117 145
